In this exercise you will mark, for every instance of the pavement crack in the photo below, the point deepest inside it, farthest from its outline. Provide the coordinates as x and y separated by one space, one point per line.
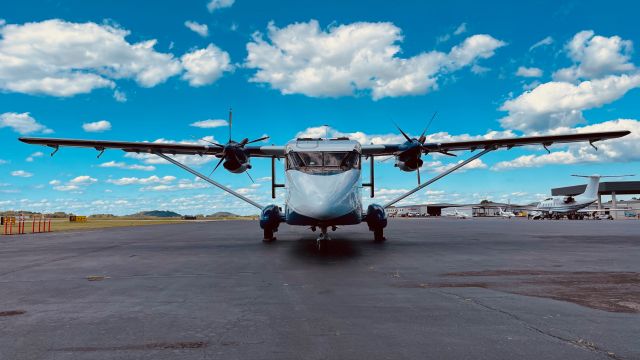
579 343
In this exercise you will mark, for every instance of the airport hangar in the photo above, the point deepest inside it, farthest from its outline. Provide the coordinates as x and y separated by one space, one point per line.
476 210
612 188
630 209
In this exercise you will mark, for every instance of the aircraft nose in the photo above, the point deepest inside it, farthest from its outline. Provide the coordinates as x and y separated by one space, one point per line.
327 206
323 197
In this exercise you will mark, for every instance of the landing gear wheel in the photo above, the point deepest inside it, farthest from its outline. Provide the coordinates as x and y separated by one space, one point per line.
378 235
323 239
323 245
268 236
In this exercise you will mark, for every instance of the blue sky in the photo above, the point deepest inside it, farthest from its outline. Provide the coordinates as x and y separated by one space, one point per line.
137 72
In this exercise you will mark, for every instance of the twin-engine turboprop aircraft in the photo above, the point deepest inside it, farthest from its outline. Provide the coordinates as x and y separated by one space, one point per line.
323 175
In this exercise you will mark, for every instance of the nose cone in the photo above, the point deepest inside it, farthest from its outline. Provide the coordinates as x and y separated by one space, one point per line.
323 197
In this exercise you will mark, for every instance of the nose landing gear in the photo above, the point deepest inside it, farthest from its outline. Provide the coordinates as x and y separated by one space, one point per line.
323 239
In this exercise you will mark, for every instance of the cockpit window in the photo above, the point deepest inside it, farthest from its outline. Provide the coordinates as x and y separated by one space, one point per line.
323 162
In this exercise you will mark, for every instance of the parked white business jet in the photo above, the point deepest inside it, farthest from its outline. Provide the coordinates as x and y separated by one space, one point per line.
323 176
557 206
457 214
506 214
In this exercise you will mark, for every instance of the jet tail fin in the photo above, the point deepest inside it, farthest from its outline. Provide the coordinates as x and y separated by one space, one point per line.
591 191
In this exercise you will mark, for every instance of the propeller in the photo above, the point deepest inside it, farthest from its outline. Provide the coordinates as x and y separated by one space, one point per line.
413 143
413 148
233 156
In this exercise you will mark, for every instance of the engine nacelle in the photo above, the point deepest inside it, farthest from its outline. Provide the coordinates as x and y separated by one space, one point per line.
408 164
235 167
236 161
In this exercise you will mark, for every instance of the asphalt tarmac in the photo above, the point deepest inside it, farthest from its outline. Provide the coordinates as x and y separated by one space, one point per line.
437 289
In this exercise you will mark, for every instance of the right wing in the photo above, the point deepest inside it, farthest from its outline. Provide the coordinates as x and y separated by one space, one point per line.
545 140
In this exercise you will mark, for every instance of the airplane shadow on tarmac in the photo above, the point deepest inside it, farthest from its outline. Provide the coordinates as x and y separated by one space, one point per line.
337 249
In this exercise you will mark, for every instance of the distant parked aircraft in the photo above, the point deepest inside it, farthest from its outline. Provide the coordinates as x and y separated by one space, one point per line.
557 206
506 214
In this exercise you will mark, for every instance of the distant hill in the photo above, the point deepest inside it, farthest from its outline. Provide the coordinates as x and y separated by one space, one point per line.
222 214
156 213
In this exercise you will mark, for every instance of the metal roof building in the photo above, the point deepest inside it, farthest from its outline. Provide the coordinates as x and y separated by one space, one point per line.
605 188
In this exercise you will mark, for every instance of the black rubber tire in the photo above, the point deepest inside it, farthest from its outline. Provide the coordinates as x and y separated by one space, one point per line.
268 235
323 245
378 235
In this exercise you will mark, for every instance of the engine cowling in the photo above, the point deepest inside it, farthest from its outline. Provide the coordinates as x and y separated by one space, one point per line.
409 159
408 164
236 160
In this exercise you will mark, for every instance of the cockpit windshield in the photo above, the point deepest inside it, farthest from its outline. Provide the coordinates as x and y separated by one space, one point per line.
323 161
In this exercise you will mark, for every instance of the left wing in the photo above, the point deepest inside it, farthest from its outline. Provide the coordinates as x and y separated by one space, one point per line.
393 149
152 147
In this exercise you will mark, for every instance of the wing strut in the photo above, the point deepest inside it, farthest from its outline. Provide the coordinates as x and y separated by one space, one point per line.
439 176
209 180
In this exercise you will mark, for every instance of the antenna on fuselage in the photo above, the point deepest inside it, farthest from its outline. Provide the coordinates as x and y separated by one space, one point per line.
326 131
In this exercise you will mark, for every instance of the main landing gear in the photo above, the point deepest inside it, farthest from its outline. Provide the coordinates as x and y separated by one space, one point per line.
270 219
378 235
377 220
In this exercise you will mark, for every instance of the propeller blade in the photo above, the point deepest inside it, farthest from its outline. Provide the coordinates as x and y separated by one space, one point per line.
212 143
418 171
403 133
422 136
249 175
214 169
260 139
230 122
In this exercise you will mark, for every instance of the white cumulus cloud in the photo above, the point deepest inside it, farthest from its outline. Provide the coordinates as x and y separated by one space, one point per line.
596 56
22 123
76 184
122 165
560 104
142 181
219 4
344 60
544 42
205 66
21 173
59 58
208 124
98 126
529 71
200 29
32 157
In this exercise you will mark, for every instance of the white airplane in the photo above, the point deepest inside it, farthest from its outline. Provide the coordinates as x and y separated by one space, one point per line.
557 206
506 214
457 214
323 176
